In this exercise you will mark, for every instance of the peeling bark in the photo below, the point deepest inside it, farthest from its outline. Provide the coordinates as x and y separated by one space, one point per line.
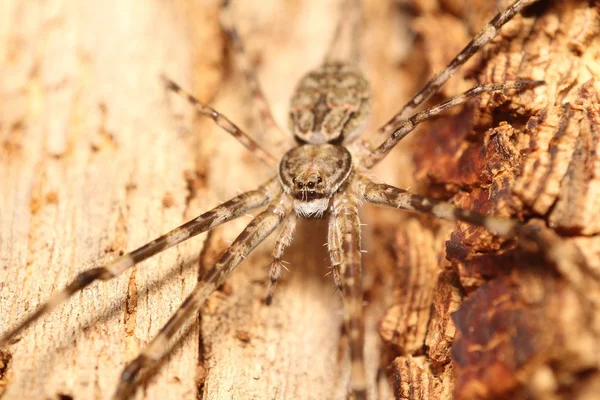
528 326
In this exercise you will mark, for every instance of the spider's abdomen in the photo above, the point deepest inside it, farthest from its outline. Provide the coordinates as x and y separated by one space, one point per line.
330 104
312 174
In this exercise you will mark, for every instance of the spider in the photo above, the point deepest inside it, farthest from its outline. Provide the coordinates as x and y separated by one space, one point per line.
323 174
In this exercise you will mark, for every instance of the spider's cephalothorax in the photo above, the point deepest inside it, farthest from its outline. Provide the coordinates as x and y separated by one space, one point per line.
312 174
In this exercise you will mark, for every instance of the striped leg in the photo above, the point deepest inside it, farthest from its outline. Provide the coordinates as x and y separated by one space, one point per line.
245 66
227 211
335 251
283 240
386 195
345 44
223 122
411 123
258 229
553 247
347 224
487 33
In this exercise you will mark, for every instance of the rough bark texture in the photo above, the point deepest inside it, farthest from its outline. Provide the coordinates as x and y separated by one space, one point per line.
95 161
504 322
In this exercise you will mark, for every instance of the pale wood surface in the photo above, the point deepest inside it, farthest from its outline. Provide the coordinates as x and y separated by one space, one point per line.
97 161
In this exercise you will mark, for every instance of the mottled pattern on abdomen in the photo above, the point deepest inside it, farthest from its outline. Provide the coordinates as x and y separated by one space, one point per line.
330 104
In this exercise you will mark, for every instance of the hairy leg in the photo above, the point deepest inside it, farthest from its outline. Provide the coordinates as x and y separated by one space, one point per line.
260 101
227 211
411 123
487 33
223 122
387 195
283 240
258 229
335 252
345 44
347 225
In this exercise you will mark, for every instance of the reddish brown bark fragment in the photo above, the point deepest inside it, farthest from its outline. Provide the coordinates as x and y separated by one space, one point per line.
529 325
440 334
413 380
418 254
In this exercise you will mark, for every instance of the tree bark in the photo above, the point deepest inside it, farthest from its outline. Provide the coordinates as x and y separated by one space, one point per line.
97 160
508 320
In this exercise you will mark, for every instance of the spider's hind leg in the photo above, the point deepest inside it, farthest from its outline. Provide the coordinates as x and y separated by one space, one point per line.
256 231
277 135
407 126
489 31
223 122
345 44
348 237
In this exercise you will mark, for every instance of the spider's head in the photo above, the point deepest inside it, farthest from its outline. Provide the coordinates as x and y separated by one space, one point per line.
311 198
312 174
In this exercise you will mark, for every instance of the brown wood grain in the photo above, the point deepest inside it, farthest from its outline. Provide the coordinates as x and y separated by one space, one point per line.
522 323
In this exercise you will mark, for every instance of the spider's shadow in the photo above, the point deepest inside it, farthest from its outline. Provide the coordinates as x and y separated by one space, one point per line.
108 315
308 269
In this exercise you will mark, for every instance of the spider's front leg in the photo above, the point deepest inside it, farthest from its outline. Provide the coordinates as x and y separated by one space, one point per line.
283 240
258 229
553 248
347 226
334 250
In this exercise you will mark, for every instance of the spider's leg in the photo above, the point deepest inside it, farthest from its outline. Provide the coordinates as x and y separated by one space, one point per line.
387 195
283 240
258 229
553 247
335 252
482 38
223 122
347 224
245 66
345 44
411 123
227 211
556 250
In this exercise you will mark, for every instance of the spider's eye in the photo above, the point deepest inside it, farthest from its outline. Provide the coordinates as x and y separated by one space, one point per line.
300 185
294 180
311 185
319 179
